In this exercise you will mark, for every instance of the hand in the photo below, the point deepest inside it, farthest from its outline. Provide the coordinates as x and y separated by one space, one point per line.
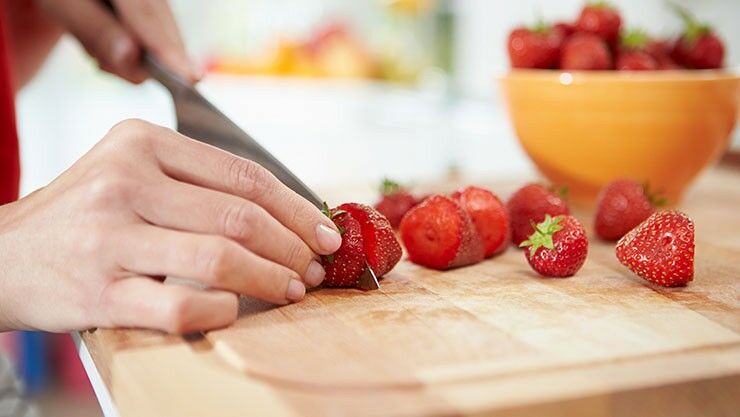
91 248
117 43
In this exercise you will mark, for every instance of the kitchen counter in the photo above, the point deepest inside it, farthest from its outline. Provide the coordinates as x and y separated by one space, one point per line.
490 339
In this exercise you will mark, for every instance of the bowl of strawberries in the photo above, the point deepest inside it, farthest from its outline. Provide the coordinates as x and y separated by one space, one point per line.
591 102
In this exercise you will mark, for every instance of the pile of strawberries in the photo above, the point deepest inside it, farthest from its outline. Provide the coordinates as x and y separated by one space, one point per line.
473 224
596 41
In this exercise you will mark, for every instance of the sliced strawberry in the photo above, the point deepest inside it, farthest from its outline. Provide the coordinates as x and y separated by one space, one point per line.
439 234
530 204
345 266
381 248
558 247
489 215
660 249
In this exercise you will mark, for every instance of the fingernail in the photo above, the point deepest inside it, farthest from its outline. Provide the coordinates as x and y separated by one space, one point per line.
314 274
296 290
329 239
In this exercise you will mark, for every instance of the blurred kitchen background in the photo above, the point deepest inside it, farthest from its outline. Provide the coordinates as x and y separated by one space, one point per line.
344 92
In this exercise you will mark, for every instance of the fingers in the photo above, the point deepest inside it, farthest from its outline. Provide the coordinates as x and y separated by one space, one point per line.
153 24
101 35
144 302
207 166
212 260
182 206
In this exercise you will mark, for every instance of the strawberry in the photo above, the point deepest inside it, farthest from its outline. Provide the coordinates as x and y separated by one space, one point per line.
660 50
382 250
566 29
632 54
489 215
660 249
698 47
623 204
394 202
558 246
537 47
345 266
585 52
600 19
529 205
439 234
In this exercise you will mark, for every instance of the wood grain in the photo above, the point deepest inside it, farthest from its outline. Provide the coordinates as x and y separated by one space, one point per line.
493 338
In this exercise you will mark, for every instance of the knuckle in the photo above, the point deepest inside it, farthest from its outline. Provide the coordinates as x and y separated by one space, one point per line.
297 256
109 186
240 222
130 132
215 261
176 314
249 177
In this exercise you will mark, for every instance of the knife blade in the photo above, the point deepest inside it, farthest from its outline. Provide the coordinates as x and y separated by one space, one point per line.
198 119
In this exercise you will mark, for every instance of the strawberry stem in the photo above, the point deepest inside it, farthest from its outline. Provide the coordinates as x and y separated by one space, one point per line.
693 28
655 197
543 233
390 187
635 39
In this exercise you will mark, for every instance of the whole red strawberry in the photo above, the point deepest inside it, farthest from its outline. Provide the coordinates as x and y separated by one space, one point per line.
345 266
439 234
623 204
600 19
566 29
632 55
636 61
585 52
530 204
394 202
660 249
660 50
538 47
558 246
489 215
382 250
698 47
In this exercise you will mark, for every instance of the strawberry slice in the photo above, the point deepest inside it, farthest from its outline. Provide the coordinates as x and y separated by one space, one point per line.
439 234
381 248
345 266
660 249
489 215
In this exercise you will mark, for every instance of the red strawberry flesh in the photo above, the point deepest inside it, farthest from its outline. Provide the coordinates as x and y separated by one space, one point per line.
381 248
439 234
489 215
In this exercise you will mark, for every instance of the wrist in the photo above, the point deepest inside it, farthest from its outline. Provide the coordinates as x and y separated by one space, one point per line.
6 259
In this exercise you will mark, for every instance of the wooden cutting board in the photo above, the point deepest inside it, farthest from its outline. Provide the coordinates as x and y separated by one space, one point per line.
490 339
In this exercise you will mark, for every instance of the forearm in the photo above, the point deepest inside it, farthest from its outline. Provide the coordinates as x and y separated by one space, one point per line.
33 36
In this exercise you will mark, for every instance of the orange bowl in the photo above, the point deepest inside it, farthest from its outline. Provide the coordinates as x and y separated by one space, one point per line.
584 129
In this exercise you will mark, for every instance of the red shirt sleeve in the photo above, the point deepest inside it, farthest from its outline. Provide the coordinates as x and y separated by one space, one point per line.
9 158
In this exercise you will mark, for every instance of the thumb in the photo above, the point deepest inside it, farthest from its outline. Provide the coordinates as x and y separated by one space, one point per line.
101 35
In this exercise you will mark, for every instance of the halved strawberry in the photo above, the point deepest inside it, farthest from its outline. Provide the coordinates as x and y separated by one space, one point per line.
345 266
380 246
660 249
489 215
439 234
